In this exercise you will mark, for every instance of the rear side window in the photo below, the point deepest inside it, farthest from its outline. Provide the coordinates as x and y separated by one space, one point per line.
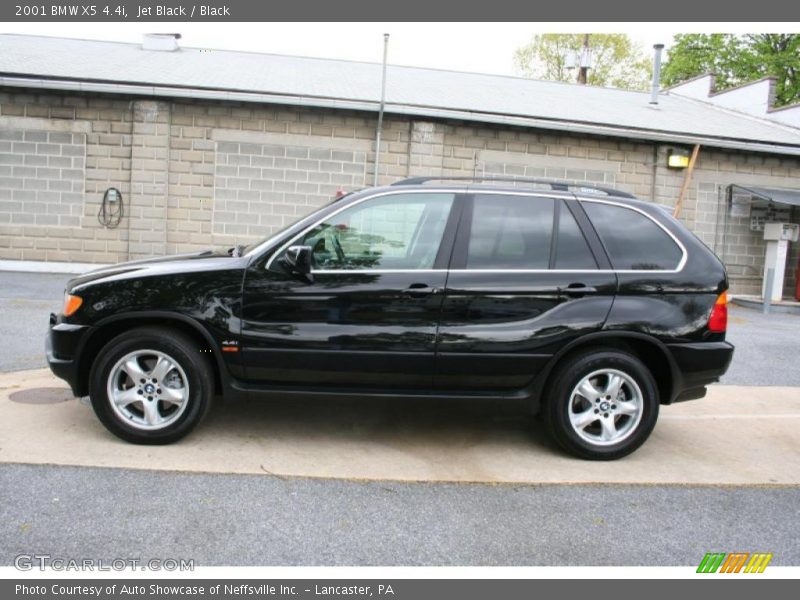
633 241
510 232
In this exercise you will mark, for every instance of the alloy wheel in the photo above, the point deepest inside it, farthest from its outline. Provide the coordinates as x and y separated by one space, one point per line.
605 407
148 389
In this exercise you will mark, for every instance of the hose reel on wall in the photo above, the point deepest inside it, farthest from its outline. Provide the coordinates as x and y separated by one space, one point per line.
112 208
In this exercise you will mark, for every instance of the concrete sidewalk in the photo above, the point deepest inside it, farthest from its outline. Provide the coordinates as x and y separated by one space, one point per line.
737 435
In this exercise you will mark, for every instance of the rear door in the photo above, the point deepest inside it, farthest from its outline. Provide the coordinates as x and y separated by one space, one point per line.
528 276
367 316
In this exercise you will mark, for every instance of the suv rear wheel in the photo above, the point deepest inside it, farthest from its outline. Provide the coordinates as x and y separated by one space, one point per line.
601 404
150 386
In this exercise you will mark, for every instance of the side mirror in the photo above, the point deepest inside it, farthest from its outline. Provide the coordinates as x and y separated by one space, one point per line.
297 261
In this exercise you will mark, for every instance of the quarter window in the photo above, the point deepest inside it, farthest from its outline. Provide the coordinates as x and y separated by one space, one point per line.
632 240
389 232
510 232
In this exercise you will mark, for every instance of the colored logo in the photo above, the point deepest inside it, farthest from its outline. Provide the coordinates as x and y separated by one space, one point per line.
735 562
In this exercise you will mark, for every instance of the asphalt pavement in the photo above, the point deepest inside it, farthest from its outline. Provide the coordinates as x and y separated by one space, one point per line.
767 347
26 301
261 520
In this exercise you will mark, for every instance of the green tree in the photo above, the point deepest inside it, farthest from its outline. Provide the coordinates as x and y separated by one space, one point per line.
616 60
737 59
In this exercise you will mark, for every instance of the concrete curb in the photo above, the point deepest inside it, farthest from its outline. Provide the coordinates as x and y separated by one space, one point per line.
756 303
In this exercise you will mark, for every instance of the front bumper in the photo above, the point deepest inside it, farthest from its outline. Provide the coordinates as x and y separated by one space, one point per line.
62 347
698 365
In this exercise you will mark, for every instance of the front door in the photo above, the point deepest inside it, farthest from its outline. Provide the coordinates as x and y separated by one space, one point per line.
524 282
367 315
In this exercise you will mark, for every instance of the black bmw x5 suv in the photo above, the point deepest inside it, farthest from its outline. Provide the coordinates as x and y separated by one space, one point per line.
591 307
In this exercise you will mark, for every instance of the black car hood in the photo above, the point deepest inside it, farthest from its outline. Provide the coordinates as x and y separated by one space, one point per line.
206 260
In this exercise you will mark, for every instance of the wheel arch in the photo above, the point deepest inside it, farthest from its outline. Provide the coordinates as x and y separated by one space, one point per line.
652 352
110 327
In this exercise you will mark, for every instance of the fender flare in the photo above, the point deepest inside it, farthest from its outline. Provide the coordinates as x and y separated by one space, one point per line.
195 325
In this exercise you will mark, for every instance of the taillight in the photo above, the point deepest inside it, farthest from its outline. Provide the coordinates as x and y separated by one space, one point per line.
71 304
718 320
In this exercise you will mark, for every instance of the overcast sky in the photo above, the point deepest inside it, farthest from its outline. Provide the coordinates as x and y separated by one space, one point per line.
476 47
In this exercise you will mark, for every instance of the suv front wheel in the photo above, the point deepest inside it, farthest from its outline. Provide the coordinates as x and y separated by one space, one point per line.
150 386
601 404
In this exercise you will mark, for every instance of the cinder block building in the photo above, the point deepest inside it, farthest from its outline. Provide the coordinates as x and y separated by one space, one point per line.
216 148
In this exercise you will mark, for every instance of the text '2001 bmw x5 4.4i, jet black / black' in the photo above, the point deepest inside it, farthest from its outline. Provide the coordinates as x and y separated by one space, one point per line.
592 307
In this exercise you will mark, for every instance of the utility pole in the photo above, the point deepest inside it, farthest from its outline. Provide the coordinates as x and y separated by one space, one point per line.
380 110
583 71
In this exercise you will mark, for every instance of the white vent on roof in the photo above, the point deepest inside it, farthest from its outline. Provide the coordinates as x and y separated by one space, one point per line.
161 42
755 98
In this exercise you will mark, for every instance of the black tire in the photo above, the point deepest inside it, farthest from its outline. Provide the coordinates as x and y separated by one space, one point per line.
558 404
181 350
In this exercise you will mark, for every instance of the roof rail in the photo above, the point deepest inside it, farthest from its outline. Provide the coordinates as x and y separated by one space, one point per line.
562 186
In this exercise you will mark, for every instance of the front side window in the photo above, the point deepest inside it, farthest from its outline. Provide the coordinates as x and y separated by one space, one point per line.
510 232
398 231
632 240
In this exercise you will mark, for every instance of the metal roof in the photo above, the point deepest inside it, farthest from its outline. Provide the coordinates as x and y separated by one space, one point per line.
114 67
780 195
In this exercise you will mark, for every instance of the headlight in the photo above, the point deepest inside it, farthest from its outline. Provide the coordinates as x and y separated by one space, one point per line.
71 304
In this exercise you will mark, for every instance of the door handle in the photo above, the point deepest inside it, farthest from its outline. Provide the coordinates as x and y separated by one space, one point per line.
576 290
420 290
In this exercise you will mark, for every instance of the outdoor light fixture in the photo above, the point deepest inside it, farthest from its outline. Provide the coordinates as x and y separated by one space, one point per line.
677 159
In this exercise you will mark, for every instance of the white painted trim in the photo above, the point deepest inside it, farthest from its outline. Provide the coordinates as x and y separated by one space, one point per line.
31 123
41 266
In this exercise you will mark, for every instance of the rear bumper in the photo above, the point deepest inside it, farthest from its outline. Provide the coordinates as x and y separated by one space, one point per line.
61 347
698 365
